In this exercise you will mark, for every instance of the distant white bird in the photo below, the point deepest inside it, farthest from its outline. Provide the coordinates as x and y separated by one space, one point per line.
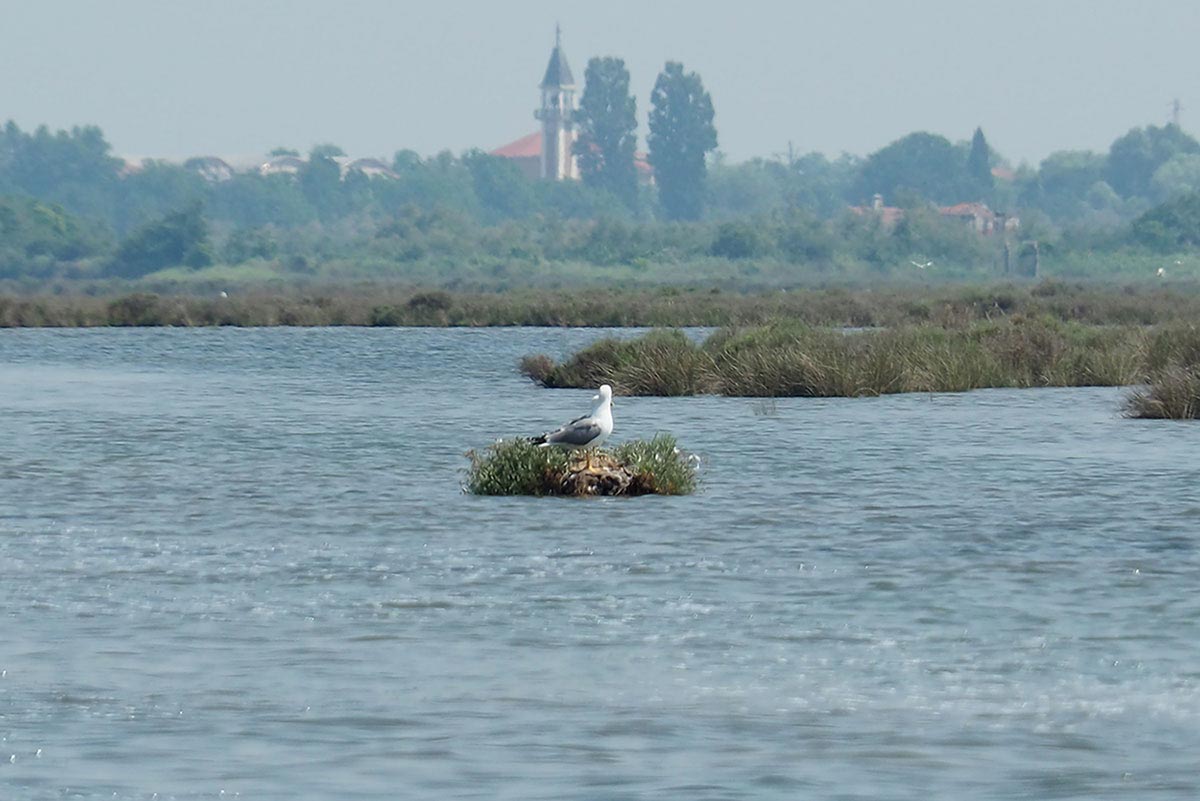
1161 272
919 265
588 431
224 294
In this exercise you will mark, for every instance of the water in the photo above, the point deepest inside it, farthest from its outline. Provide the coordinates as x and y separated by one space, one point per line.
238 563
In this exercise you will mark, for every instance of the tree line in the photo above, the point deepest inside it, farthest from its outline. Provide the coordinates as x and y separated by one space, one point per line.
69 206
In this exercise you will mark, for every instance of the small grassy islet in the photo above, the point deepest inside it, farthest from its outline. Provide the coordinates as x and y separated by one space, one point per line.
639 467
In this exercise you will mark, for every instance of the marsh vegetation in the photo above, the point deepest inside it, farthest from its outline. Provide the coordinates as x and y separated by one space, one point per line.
382 304
790 359
1172 389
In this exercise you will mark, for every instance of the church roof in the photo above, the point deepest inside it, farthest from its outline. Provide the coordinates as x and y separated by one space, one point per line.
530 147
525 147
558 73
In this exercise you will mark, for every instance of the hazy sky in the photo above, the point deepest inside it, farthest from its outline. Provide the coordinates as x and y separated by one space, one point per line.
170 79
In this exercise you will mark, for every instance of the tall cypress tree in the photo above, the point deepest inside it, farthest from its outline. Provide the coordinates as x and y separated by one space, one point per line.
681 135
979 165
607 119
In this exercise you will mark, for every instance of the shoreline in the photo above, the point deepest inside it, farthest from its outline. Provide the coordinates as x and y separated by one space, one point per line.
885 306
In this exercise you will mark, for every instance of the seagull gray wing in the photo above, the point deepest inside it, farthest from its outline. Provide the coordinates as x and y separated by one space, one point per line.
578 432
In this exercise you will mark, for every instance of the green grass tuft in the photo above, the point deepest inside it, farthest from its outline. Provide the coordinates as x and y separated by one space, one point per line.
515 467
659 466
1173 394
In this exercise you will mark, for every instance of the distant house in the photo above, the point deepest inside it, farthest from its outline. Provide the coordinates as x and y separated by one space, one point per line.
210 168
977 216
372 168
980 218
1003 174
292 165
282 165
888 216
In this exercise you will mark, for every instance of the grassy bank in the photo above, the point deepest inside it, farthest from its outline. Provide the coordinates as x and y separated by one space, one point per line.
517 467
389 305
792 359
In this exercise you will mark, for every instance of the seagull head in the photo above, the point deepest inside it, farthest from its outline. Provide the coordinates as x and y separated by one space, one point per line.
603 396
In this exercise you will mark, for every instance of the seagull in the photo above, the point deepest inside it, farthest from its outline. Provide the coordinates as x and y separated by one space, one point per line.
588 431
1161 272
919 265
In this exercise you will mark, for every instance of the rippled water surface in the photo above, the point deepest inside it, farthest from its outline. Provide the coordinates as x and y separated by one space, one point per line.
238 563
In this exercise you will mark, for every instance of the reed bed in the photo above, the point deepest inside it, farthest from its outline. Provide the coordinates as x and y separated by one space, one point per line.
790 359
665 361
639 467
1172 390
1172 394
379 304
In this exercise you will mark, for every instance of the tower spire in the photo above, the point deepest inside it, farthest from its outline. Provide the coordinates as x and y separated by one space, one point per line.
557 115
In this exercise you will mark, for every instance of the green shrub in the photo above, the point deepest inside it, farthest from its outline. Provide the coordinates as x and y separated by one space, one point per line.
515 467
179 238
1174 224
738 240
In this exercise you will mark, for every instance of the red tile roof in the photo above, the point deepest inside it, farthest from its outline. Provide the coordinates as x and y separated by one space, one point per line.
530 147
889 216
967 210
525 147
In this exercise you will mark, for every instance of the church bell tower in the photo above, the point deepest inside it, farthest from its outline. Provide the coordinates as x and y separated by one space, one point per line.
558 117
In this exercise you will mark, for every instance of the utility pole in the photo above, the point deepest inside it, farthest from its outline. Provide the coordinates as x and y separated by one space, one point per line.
1176 107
